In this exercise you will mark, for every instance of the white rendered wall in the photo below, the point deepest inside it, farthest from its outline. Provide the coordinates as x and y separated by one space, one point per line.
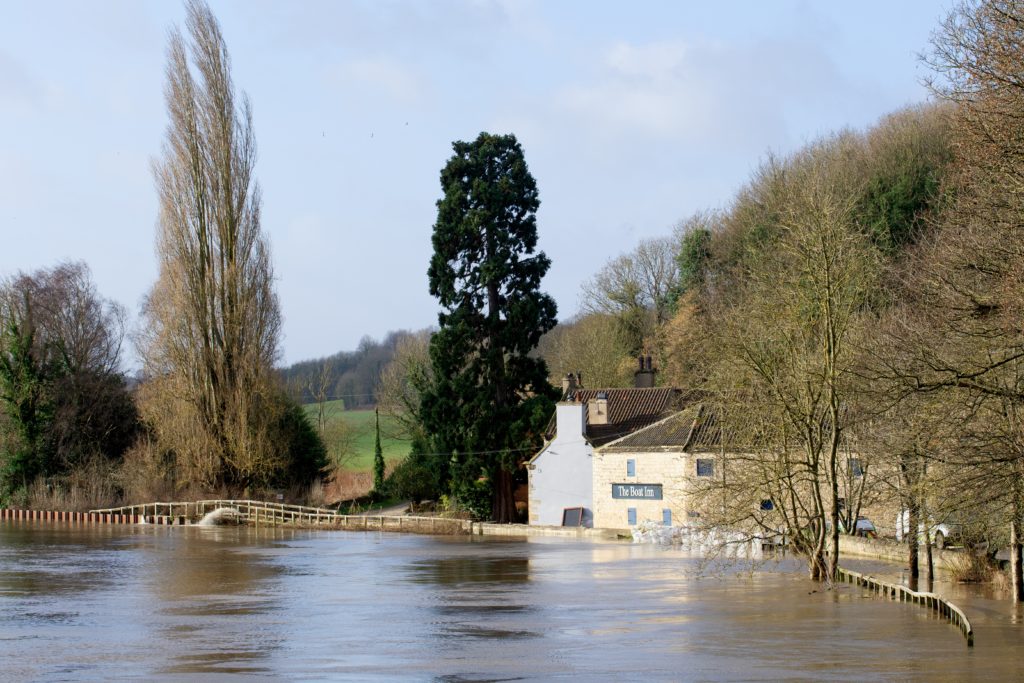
561 476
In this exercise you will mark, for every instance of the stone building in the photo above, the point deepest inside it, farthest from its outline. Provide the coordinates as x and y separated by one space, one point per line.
561 475
652 473
645 475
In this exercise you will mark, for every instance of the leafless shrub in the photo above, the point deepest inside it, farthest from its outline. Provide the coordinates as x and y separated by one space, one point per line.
969 567
89 485
146 473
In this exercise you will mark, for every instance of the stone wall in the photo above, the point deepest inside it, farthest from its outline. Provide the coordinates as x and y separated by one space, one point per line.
523 530
884 549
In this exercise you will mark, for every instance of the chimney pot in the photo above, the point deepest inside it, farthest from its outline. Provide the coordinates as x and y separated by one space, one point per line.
597 409
569 386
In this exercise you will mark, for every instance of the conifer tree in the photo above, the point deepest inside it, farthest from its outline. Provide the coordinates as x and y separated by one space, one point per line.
490 398
378 458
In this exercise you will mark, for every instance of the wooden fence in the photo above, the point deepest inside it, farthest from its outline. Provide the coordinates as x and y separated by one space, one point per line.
930 601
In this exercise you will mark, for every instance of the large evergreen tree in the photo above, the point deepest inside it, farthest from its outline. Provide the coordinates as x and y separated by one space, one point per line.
489 398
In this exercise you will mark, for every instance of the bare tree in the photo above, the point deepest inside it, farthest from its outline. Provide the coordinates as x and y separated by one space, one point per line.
591 345
403 380
61 386
73 321
785 351
213 322
636 288
960 327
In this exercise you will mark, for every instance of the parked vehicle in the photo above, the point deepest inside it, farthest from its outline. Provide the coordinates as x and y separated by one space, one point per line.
864 527
940 533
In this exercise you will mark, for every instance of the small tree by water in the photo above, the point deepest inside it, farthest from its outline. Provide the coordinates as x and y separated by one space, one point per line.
378 457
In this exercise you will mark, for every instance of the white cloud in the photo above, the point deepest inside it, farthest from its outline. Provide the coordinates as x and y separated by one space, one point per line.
650 89
693 92
384 75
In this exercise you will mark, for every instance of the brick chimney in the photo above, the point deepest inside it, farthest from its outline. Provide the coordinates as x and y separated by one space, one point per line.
569 385
644 377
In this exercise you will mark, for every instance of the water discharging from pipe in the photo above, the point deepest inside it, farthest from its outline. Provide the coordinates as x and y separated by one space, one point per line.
221 516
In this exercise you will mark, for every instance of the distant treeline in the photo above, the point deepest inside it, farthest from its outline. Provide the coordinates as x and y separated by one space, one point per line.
350 376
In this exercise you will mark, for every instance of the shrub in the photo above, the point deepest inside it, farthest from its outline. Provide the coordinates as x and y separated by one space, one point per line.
969 567
412 480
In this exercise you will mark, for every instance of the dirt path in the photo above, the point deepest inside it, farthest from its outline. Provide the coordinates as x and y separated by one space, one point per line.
393 510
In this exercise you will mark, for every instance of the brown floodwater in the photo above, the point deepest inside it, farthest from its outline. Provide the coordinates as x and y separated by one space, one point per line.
193 603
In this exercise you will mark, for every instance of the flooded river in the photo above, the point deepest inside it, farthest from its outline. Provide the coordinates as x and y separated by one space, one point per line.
130 603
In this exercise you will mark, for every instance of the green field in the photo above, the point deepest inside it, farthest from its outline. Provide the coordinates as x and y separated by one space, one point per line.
360 422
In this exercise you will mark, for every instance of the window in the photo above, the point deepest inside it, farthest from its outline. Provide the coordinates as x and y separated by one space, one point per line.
666 517
767 505
705 467
631 468
631 516
856 469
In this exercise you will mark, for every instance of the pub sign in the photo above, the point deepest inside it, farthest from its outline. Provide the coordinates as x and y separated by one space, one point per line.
637 491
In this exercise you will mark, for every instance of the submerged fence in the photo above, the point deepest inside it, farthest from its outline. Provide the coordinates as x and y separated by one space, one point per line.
930 601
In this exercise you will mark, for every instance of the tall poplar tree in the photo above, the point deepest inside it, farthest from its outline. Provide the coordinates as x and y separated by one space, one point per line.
212 319
489 399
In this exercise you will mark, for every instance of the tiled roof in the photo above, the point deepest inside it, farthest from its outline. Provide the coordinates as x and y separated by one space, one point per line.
695 429
670 433
698 428
628 410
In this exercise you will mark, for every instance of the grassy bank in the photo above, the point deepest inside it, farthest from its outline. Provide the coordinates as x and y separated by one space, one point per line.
361 428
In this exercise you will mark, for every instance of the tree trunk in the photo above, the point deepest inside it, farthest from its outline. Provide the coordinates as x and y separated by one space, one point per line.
1016 566
913 546
833 560
503 509
929 564
816 563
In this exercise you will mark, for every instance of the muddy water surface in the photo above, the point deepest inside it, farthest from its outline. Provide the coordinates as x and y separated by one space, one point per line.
107 603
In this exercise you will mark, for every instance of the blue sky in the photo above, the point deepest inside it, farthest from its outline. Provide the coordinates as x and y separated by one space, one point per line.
632 117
